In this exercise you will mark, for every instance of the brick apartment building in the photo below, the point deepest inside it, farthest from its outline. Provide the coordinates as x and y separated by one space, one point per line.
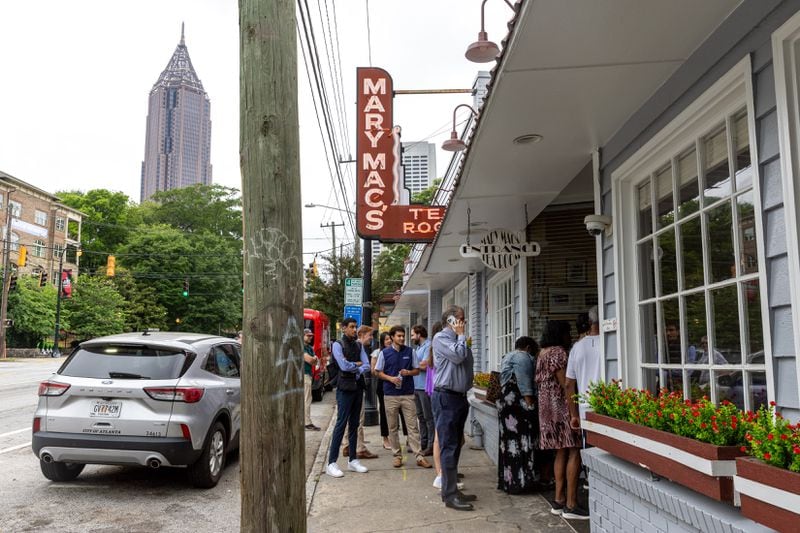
41 223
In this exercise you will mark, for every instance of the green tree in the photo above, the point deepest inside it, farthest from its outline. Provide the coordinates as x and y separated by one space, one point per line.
33 310
199 208
142 307
327 295
95 308
425 196
387 274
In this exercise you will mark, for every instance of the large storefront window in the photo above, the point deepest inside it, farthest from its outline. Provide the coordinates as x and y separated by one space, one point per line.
698 288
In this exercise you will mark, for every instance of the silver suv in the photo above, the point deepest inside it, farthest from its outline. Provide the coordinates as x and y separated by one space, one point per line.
150 399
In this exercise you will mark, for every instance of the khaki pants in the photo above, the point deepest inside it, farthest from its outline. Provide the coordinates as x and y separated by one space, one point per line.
360 446
394 404
307 384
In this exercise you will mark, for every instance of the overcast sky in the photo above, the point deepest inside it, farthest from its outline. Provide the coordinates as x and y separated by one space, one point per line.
76 77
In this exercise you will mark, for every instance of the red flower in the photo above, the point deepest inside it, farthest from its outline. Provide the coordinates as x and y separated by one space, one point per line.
743 449
767 456
772 403
784 436
703 425
770 436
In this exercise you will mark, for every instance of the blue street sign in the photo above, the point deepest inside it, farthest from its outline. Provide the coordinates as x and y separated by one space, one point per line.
353 311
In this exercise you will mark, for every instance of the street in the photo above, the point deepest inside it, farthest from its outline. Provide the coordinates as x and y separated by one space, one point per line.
107 498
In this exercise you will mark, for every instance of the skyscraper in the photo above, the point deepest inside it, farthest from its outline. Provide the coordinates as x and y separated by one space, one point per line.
177 148
419 165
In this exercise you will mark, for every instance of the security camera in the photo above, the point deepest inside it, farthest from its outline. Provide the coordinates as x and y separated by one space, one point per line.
597 224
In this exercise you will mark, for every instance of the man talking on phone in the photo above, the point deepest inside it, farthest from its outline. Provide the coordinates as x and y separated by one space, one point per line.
454 374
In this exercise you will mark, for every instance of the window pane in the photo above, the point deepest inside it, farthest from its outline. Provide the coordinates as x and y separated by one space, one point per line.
699 384
741 135
755 334
748 252
647 283
650 380
649 336
757 389
692 253
730 387
696 329
717 173
666 203
667 263
720 242
688 188
672 331
645 210
725 309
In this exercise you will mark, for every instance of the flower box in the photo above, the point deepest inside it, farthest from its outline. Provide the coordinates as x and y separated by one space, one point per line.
702 467
769 495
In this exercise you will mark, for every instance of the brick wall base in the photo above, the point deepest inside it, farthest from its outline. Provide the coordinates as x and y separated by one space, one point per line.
624 498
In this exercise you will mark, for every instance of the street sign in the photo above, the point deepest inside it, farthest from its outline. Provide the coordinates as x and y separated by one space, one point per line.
353 291
353 311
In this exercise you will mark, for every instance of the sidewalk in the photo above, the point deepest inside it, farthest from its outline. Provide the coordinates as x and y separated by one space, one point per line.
403 499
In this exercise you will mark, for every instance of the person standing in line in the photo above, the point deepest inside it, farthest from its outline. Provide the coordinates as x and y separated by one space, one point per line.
454 375
419 337
518 420
384 342
352 361
583 369
309 360
362 452
396 366
555 432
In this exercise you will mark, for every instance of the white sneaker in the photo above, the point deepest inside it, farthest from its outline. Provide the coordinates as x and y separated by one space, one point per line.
333 470
437 484
356 466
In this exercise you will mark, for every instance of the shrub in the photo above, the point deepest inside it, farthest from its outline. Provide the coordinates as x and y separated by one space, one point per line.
772 439
481 379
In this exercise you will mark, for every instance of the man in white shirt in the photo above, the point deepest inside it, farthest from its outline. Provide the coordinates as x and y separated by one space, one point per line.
583 368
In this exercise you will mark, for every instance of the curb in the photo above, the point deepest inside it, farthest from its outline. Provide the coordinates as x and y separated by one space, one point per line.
319 461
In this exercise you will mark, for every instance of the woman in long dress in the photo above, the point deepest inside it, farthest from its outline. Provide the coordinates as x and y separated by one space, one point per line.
518 420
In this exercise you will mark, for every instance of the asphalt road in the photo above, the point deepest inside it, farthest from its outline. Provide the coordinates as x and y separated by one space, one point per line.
107 498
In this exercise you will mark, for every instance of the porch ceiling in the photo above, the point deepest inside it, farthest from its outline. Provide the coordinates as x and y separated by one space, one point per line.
574 72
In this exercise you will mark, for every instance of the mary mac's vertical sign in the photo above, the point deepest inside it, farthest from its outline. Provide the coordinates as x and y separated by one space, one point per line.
378 211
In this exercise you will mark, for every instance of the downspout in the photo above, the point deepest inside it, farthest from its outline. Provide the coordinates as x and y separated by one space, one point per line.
598 209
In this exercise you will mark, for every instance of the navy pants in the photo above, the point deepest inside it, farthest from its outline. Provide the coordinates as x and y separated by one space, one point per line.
450 411
348 405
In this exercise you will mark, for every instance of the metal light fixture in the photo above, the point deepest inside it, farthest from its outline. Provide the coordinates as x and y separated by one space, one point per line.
454 144
483 50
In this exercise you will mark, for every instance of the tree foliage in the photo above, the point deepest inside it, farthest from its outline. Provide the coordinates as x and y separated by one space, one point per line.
425 196
196 209
143 308
95 308
387 273
33 310
326 292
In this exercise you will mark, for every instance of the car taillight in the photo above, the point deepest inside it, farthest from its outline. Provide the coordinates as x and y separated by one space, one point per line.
175 394
186 433
52 388
37 425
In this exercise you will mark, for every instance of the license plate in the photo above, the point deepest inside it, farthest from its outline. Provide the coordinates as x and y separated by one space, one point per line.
104 409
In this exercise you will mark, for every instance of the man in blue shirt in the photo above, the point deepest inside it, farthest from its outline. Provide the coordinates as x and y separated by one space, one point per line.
419 337
454 373
353 364
396 366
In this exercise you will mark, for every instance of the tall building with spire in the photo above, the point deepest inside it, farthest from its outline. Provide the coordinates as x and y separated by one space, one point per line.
177 150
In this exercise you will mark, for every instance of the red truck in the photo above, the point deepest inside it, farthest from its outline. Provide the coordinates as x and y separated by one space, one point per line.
318 322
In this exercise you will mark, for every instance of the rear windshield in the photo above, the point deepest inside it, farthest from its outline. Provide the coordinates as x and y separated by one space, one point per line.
126 362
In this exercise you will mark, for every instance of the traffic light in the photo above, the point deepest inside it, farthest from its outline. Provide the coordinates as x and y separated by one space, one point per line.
314 268
186 288
23 256
111 266
12 283
43 279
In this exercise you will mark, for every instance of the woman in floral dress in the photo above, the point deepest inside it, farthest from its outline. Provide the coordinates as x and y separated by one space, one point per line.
554 429
519 426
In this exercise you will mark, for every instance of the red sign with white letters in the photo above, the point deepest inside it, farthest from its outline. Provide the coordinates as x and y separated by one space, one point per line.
379 214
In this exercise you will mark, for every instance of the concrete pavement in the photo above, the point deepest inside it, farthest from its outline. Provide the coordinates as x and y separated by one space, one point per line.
403 499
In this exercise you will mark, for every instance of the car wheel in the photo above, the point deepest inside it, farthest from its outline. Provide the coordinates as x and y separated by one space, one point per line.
55 471
207 470
317 394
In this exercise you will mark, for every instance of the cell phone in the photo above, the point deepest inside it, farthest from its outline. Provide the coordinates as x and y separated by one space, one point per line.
452 320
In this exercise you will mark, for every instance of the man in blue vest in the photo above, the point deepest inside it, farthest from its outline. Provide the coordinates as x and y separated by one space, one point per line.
396 366
353 364
454 373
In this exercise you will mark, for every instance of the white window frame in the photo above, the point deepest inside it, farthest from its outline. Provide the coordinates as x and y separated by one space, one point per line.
61 223
731 93
497 335
16 208
39 248
786 67
40 217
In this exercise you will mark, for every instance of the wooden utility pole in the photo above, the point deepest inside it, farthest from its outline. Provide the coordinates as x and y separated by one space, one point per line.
273 440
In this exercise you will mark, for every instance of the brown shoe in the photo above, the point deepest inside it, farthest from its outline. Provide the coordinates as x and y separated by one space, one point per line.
397 462
366 454
346 451
422 462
